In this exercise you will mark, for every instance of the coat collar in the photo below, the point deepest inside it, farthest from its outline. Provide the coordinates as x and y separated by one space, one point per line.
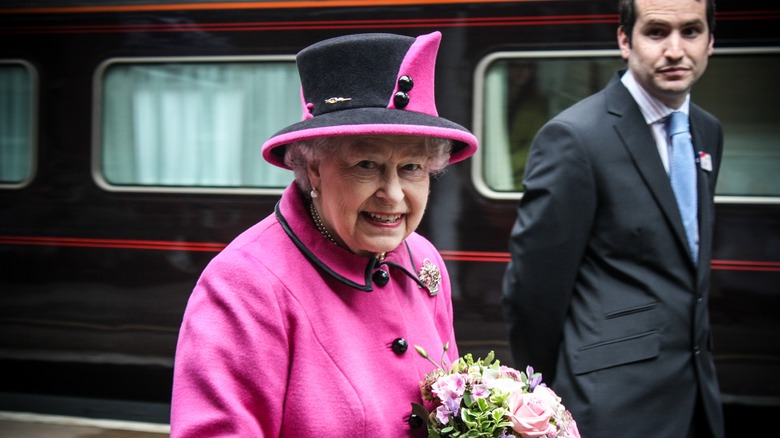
351 269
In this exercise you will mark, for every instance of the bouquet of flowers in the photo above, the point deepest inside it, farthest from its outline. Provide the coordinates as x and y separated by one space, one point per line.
483 398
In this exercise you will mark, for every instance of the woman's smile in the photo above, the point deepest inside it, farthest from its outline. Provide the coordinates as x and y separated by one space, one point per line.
385 219
373 191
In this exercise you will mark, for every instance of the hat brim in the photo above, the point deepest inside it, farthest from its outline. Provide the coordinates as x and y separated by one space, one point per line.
371 121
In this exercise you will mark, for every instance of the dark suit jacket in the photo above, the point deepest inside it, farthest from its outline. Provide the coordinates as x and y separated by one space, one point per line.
601 294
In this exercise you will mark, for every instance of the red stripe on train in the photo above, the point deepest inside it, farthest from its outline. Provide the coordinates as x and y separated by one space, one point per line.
314 25
167 245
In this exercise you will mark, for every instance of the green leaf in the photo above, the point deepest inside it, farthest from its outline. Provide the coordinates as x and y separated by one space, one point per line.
421 412
489 358
467 400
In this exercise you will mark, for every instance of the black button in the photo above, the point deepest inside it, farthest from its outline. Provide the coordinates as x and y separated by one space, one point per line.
400 345
405 83
401 99
381 277
415 421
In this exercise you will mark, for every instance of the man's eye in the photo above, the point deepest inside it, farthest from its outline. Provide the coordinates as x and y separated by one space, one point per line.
655 33
691 32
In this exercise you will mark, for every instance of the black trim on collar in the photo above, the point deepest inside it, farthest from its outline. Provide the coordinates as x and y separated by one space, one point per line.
373 263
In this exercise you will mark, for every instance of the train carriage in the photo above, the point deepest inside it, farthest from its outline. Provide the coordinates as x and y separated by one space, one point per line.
130 138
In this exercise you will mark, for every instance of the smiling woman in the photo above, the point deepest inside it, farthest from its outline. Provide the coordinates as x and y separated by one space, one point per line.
371 191
363 157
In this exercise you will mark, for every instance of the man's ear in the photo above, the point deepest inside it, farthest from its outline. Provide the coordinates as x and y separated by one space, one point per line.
624 43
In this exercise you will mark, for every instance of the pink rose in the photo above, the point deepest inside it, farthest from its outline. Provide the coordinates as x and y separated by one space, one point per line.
572 431
530 415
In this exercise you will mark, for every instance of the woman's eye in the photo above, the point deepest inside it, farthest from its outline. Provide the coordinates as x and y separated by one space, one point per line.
365 164
412 167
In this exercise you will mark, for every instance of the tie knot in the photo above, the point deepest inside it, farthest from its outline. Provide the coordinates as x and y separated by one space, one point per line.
678 123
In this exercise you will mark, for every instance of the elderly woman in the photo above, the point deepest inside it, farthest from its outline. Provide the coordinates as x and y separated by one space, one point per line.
302 325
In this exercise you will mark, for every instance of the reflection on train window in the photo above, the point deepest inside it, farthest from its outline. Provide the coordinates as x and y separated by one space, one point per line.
195 124
521 93
749 112
16 124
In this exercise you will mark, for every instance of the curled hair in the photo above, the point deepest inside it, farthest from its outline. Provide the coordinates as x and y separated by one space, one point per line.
627 12
299 154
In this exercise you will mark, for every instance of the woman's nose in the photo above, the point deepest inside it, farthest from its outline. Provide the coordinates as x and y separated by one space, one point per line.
391 188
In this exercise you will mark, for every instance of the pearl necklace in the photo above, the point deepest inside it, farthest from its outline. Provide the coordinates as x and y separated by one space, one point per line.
319 224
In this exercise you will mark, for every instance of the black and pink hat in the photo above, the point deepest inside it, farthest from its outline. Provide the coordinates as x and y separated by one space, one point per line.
369 84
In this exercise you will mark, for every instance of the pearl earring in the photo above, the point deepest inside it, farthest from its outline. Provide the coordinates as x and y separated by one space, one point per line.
314 193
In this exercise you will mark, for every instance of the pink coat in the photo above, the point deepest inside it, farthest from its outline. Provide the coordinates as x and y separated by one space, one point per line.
275 344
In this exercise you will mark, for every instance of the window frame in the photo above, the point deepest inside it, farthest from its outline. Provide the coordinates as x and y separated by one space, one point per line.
477 171
97 128
33 116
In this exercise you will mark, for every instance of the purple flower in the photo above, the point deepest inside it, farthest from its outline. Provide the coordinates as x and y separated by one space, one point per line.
447 409
450 387
533 381
480 390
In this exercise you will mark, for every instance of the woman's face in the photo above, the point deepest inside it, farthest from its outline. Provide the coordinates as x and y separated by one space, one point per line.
373 191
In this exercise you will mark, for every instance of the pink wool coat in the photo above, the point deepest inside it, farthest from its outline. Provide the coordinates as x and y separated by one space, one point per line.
279 340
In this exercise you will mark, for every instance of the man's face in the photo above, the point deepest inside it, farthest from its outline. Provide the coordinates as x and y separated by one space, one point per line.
669 47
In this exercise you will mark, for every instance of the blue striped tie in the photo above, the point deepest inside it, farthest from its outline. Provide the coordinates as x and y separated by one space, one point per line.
682 172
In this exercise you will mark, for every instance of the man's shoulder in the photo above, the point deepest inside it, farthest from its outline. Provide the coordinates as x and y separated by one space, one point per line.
584 112
588 103
703 115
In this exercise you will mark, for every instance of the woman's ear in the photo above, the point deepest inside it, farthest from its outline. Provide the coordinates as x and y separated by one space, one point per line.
313 170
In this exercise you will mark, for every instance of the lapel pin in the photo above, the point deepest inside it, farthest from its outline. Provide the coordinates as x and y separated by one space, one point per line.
430 277
705 161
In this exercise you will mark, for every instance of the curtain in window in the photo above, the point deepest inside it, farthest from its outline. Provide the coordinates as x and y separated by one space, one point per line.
15 124
497 164
196 124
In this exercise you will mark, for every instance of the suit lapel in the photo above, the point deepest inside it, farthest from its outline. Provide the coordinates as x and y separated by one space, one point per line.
702 142
636 137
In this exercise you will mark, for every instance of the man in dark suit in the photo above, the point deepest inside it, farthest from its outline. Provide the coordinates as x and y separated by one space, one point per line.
605 294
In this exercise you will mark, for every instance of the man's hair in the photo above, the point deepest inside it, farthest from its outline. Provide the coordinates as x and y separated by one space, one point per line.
627 11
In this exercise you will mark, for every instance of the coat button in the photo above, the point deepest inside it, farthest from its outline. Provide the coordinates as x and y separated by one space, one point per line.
415 421
405 83
400 100
400 345
381 277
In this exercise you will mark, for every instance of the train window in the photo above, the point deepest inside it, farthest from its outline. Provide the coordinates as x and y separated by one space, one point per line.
517 96
516 93
17 145
193 124
751 121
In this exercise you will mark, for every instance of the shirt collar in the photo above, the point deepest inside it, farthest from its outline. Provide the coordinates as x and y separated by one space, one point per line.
653 110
